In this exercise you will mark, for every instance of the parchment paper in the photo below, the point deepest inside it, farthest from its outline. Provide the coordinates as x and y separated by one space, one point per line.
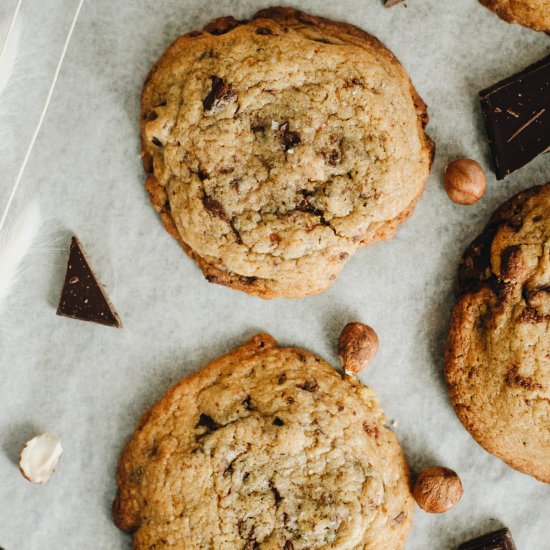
89 384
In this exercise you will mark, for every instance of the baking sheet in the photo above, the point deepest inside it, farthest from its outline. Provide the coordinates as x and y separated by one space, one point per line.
89 384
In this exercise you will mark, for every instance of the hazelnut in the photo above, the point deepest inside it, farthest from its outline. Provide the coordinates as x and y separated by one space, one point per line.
465 181
39 457
437 489
358 344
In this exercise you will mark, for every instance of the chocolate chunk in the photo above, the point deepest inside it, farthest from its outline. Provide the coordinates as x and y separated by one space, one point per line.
278 421
288 545
219 94
309 385
263 31
497 540
288 138
214 206
517 117
222 25
82 296
247 402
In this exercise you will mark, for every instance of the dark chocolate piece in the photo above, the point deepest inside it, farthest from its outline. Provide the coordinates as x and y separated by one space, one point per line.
82 296
497 540
517 117
219 94
288 139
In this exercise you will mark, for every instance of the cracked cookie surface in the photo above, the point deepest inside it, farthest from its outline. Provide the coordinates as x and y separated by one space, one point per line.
266 448
498 352
276 148
534 14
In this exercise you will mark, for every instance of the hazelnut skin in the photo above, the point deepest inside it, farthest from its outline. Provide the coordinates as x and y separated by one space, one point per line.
437 489
357 345
465 181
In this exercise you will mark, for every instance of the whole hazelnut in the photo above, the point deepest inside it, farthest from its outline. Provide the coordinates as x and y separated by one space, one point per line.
437 489
357 345
465 181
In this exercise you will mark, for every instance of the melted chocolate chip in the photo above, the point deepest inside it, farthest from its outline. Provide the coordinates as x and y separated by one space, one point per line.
275 492
247 402
310 385
207 422
263 31
288 138
215 207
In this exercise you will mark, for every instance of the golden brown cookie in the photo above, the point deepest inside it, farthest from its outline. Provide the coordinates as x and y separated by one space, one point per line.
498 352
276 148
266 448
534 14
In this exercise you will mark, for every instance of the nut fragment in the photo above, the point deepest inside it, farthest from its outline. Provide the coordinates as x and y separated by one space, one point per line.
437 489
465 181
358 344
39 457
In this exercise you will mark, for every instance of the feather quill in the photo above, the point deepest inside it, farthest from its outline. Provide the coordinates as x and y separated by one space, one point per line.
19 229
16 239
9 40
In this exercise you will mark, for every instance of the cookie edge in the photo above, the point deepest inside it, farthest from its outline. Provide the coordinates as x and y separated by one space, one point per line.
495 6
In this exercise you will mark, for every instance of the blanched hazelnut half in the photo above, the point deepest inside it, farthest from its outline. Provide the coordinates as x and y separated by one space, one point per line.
39 457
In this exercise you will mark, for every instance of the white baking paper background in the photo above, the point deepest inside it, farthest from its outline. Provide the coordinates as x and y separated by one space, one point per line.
89 384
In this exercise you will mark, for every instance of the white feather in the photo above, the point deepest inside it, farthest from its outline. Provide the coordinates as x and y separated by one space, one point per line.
18 230
16 238
9 40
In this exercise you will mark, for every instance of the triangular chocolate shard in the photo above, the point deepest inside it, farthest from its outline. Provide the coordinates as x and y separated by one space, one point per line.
82 296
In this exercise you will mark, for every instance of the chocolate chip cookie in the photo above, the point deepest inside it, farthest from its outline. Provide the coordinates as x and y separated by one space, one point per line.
267 447
534 14
498 352
275 148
